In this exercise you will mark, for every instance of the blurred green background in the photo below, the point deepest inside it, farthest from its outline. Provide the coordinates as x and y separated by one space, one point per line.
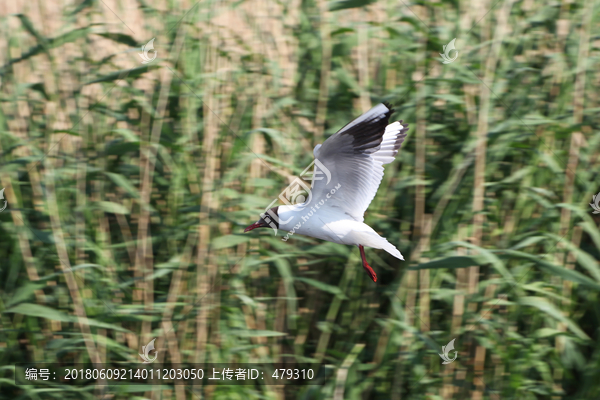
129 185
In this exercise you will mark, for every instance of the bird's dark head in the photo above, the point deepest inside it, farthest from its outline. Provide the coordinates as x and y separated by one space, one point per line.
270 219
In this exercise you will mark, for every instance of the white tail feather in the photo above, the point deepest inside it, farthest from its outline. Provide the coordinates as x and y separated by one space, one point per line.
390 248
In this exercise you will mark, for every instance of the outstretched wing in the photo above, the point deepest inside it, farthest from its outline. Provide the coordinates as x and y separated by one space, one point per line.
354 156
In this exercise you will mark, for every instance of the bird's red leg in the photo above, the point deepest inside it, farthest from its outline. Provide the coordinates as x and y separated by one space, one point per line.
366 265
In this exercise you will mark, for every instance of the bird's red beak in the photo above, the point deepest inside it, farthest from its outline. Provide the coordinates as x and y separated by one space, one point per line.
254 226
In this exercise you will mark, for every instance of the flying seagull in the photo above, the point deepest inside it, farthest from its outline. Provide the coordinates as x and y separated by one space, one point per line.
352 161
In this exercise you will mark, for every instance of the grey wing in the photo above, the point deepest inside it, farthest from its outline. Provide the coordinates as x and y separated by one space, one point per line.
349 165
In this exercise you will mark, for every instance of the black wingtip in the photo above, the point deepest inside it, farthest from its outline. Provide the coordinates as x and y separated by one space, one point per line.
390 107
368 129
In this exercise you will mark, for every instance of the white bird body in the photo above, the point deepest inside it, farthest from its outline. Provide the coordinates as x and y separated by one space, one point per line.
352 162
333 225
